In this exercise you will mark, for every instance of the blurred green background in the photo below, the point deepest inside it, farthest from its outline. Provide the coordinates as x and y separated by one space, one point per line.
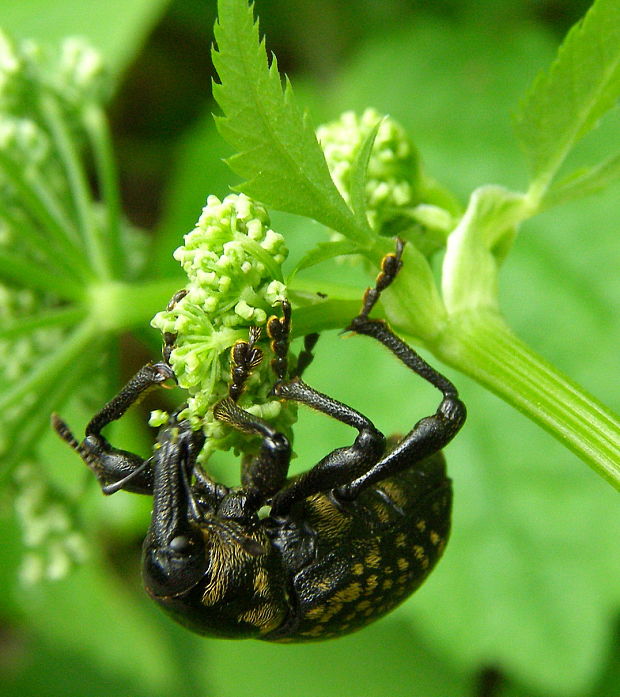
525 603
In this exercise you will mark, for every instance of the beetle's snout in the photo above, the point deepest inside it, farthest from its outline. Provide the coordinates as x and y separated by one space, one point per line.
175 569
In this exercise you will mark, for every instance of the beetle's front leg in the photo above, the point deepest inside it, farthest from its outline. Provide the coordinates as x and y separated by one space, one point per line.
115 468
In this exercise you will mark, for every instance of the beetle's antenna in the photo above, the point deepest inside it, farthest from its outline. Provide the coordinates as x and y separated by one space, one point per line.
66 434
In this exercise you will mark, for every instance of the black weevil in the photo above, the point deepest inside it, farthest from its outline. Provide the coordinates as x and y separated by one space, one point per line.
343 543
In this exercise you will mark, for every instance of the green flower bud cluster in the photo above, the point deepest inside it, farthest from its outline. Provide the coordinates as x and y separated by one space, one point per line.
40 88
233 260
51 537
393 168
74 73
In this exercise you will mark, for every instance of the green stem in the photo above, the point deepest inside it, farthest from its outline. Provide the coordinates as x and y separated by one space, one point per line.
51 367
30 430
78 185
29 274
42 205
117 306
482 346
63 317
98 132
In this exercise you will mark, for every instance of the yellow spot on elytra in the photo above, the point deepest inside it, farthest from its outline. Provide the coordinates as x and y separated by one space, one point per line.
402 564
333 610
373 559
315 631
364 605
388 570
421 525
387 584
323 585
401 539
402 579
371 583
434 537
357 569
316 612
348 594
420 554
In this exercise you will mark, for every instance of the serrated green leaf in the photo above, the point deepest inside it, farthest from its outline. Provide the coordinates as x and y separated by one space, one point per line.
277 150
324 251
582 182
566 102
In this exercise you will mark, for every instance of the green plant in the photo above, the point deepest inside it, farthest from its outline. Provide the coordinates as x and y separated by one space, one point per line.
94 277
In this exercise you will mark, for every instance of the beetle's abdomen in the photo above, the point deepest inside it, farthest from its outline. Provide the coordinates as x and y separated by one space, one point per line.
370 554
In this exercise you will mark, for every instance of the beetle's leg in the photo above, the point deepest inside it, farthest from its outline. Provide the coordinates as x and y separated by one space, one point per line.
244 357
113 467
279 329
349 470
341 465
266 472
431 433
306 355
263 474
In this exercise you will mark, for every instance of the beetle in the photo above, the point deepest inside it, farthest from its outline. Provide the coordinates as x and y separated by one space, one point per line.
342 544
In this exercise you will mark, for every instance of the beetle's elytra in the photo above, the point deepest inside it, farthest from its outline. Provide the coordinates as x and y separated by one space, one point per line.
343 543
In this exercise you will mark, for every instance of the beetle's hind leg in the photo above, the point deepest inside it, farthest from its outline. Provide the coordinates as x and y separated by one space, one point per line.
341 465
115 468
431 433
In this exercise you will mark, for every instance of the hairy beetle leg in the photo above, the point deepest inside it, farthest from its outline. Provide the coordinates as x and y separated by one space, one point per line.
431 433
244 357
264 474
